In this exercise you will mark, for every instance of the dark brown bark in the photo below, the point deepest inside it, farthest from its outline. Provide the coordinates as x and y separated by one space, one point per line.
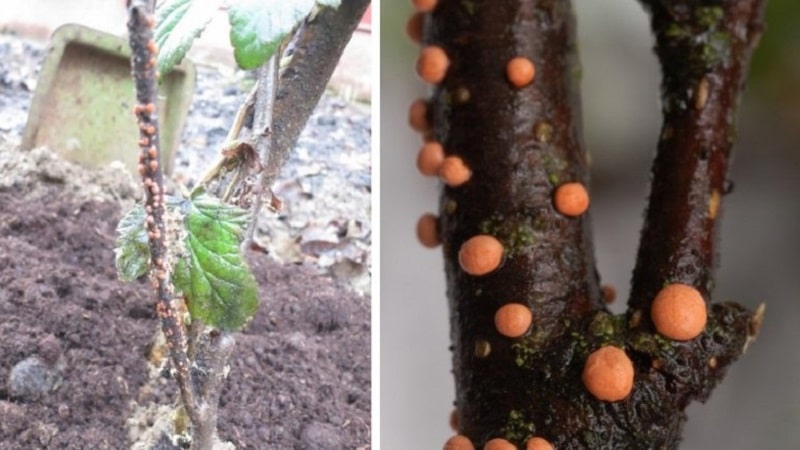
520 145
704 49
144 64
315 55
200 374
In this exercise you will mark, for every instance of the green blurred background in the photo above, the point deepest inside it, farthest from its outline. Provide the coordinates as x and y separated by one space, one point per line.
758 405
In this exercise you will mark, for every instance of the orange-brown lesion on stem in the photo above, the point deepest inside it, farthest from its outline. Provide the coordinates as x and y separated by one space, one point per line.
144 61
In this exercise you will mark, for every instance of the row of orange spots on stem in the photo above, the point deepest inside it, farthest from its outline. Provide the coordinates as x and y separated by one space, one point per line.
481 255
147 129
454 172
430 158
432 64
148 108
414 27
152 47
418 116
608 373
461 442
570 199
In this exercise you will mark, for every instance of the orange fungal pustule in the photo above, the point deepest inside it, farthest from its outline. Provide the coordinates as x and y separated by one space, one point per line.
571 199
537 443
513 320
430 158
424 5
609 293
480 255
499 444
459 442
414 27
520 71
428 231
454 171
418 116
679 312
608 374
432 64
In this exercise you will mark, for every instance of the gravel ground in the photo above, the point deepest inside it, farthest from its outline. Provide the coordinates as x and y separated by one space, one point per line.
325 186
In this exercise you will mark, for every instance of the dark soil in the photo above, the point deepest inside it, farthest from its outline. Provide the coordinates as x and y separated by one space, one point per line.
76 344
299 378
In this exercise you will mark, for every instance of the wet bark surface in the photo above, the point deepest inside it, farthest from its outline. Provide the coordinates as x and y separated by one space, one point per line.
521 144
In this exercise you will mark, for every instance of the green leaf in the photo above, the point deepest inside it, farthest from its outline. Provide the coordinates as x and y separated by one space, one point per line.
132 251
259 26
178 23
213 275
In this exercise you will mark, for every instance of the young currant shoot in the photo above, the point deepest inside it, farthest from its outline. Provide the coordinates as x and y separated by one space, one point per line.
538 359
189 243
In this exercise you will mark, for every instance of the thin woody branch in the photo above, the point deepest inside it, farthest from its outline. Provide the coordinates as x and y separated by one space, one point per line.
516 136
264 134
144 63
704 49
315 55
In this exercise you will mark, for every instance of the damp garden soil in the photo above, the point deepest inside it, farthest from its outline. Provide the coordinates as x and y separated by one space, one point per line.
83 346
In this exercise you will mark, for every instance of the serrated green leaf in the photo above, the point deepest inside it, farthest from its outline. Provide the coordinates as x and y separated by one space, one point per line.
259 26
213 275
168 13
132 251
178 23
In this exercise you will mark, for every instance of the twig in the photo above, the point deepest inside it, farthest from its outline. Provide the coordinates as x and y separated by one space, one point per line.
263 133
704 49
144 63
320 44
520 144
238 122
